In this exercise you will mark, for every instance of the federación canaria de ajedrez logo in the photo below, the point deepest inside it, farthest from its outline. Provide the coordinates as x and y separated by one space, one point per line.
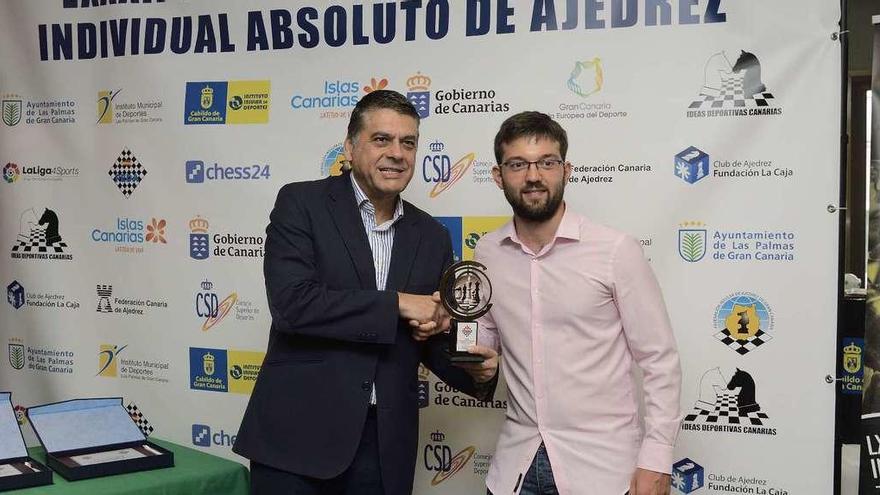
127 172
687 476
728 403
15 294
692 240
465 232
733 87
333 161
743 322
691 164
39 237
419 94
227 102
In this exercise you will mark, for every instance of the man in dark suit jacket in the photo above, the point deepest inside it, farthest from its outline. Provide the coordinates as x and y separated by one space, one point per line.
351 273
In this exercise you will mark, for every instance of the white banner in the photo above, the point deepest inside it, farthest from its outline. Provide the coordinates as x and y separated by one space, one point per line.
143 144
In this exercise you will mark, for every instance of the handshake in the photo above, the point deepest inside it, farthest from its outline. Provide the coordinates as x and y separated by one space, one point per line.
425 314
427 317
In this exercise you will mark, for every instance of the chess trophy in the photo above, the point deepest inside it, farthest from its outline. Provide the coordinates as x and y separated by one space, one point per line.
465 292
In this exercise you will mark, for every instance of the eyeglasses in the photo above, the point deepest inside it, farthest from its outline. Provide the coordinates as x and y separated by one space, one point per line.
523 165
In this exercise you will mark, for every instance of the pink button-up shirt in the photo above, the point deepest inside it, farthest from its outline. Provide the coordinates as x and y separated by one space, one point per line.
569 322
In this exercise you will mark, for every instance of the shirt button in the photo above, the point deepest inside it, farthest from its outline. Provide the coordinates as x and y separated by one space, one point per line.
366 385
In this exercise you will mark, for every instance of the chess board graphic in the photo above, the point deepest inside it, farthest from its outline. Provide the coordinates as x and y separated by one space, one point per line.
732 95
726 412
127 173
745 346
139 419
35 242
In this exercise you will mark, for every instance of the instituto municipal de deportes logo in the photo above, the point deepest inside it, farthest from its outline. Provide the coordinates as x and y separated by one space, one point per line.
744 322
107 362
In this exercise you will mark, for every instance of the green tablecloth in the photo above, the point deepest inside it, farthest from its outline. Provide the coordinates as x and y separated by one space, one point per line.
193 473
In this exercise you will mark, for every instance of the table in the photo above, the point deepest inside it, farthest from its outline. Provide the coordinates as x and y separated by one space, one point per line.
193 473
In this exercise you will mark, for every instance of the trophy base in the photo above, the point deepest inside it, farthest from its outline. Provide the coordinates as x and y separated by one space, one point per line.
464 357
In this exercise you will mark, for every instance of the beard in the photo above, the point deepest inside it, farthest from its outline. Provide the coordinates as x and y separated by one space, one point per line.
535 212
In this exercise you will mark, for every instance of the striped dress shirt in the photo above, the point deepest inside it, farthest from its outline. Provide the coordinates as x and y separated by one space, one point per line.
381 238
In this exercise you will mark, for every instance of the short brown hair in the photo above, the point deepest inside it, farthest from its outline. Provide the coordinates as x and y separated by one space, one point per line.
530 124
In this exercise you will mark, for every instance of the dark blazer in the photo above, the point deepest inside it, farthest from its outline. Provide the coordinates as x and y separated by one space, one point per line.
333 335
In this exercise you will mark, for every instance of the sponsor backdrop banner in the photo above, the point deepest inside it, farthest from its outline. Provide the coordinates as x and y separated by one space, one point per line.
869 476
142 145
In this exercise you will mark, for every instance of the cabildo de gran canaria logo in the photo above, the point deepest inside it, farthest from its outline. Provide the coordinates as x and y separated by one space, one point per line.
227 102
465 232
222 370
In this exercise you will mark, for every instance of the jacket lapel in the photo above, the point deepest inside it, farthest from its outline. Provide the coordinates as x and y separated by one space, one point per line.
406 245
345 213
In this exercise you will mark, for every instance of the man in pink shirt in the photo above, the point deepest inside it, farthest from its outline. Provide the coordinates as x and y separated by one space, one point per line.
575 303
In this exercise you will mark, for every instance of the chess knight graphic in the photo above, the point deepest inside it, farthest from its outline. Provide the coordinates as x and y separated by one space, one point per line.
38 234
724 401
733 85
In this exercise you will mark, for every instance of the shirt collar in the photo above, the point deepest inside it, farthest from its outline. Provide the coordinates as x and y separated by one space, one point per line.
364 202
569 228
